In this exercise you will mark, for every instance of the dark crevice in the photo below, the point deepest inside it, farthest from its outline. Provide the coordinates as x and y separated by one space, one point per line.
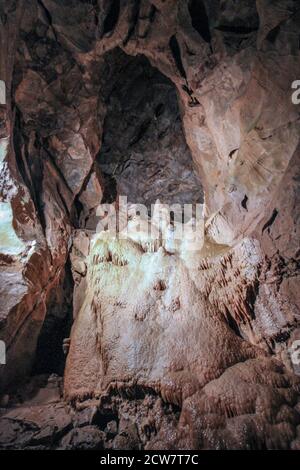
20 152
282 336
251 296
193 100
55 166
152 14
159 110
133 21
200 19
48 17
244 202
78 209
103 417
272 35
112 17
232 323
271 220
240 30
45 11
31 169
141 132
233 152
175 49
90 2
57 325
110 189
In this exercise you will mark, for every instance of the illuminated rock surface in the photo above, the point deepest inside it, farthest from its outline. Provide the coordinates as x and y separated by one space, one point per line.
162 99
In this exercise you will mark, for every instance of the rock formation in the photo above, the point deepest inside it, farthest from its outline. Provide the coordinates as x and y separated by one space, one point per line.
185 101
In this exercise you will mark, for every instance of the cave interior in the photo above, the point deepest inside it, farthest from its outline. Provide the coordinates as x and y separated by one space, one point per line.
120 340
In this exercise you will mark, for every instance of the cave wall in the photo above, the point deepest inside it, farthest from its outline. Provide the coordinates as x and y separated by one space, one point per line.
232 69
144 148
28 273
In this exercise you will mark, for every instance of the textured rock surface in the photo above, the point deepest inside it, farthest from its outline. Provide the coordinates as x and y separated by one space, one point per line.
37 420
69 65
144 148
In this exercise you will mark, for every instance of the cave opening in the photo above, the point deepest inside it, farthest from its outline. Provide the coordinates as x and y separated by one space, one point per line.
143 147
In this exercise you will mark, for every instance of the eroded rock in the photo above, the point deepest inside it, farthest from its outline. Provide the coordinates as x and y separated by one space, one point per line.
83 96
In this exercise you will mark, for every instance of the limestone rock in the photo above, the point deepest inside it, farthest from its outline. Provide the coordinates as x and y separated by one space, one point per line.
179 100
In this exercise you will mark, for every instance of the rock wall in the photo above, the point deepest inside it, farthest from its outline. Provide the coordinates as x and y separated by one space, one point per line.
232 69
28 271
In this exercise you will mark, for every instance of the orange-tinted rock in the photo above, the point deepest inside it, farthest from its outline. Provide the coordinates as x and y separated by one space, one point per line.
201 334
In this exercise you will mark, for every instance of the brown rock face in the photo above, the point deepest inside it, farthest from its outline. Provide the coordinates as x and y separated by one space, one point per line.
183 101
